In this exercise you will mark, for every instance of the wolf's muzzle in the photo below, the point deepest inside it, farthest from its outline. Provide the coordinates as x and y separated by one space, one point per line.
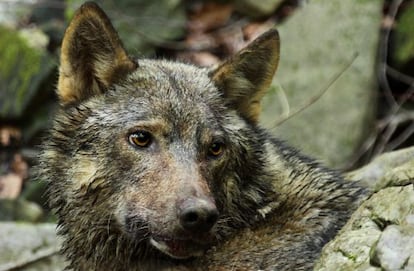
197 215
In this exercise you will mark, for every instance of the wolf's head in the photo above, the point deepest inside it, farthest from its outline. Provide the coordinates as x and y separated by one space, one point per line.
152 153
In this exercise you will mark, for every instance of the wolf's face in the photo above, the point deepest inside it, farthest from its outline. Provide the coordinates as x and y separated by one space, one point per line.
162 135
162 147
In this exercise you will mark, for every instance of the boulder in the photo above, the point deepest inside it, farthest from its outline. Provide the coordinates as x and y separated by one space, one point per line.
317 43
380 234
29 247
24 66
20 210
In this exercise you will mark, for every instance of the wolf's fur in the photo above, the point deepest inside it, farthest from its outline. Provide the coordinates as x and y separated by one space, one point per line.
120 205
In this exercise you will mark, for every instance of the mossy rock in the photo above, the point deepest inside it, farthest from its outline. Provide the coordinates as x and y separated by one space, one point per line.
380 233
19 210
24 66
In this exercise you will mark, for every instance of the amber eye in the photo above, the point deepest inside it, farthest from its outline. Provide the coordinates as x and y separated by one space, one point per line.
216 149
140 139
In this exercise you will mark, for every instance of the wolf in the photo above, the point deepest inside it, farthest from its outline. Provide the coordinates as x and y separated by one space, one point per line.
161 165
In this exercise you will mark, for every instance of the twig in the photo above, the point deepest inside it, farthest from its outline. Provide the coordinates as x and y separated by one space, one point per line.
383 54
284 102
388 124
402 137
315 98
400 76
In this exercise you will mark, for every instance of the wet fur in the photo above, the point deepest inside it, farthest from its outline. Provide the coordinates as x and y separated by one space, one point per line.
277 207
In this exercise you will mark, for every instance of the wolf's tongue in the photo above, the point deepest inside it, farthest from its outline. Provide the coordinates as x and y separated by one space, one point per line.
176 246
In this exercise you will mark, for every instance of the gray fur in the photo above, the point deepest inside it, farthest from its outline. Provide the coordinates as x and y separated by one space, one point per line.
277 208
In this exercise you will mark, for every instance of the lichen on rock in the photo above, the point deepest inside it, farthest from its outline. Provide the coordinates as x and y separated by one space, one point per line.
380 234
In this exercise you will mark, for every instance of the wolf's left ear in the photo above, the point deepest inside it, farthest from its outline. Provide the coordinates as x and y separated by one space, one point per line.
245 78
92 56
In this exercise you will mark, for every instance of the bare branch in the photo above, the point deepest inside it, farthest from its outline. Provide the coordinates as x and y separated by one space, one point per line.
315 98
383 54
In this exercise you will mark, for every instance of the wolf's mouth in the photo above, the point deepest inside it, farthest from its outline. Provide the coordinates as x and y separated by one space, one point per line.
177 248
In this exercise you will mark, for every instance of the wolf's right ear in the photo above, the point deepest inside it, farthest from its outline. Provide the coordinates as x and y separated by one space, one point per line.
245 78
92 56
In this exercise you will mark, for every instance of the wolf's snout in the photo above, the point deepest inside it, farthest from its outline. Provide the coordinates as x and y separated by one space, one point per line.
198 215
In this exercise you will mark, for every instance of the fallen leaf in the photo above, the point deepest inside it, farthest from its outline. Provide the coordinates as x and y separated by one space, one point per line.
204 59
200 41
231 41
209 16
10 186
19 166
7 134
253 30
388 22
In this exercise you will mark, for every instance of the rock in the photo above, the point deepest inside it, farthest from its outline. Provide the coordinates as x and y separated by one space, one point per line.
395 248
390 169
12 12
380 234
24 65
142 24
257 9
29 247
20 210
372 226
317 42
54 262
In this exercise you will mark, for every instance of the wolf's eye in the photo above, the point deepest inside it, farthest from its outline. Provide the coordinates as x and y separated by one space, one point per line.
216 149
140 138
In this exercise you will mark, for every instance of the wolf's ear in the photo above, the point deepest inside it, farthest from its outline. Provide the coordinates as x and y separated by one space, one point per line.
245 78
92 56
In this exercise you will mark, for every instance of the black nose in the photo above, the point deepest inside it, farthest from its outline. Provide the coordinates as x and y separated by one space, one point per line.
198 215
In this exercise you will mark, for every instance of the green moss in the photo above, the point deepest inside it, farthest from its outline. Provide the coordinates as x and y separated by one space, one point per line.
21 70
348 255
405 36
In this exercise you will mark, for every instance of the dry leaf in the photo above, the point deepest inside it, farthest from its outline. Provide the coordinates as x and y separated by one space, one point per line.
231 41
204 59
19 166
200 41
8 133
209 16
10 186
11 183
388 22
255 29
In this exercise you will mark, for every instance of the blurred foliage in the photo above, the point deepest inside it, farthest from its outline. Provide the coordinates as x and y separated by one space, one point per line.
141 24
405 36
19 210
